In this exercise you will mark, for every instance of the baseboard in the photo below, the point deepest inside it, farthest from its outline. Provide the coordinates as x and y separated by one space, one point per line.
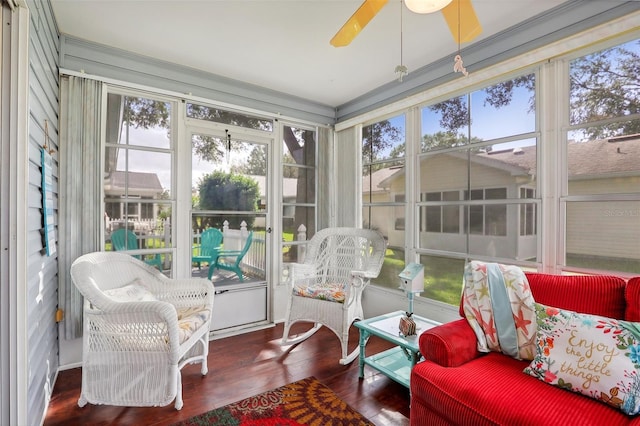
235 331
69 367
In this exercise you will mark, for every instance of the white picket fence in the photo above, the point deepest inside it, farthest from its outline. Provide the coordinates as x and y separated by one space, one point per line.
254 262
155 233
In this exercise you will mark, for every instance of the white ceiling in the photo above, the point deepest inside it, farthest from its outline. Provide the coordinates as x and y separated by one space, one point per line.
282 45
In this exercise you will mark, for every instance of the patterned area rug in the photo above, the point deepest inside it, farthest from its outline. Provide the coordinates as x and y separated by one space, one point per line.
305 402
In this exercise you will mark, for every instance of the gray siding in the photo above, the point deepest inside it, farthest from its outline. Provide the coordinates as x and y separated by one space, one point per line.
42 270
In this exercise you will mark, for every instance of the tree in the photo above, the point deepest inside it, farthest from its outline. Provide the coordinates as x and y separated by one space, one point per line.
454 112
603 85
145 113
301 146
446 140
289 172
606 84
376 138
438 140
228 192
256 163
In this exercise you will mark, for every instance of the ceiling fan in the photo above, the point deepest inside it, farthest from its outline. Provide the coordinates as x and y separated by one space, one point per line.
459 15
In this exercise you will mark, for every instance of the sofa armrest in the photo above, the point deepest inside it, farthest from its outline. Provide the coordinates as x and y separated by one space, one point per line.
450 344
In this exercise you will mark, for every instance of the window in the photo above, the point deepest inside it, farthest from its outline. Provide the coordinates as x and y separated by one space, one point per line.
487 219
469 179
223 116
137 173
441 219
299 147
383 191
602 196
399 212
527 213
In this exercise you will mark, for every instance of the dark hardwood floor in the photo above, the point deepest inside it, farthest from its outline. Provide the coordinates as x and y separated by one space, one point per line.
245 365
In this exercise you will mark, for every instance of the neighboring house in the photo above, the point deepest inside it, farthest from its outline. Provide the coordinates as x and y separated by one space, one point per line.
604 166
142 186
503 229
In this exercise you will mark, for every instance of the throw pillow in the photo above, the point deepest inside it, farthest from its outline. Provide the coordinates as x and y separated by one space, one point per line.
596 356
498 304
133 292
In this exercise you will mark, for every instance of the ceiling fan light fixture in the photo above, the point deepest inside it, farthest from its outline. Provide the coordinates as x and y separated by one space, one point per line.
426 6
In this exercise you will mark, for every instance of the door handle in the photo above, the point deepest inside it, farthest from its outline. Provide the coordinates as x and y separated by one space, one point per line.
269 230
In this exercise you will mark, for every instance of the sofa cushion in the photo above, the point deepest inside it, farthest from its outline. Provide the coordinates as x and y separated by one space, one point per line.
492 390
592 355
590 294
632 297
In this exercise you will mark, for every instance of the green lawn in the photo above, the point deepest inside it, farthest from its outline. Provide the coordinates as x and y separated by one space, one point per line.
442 276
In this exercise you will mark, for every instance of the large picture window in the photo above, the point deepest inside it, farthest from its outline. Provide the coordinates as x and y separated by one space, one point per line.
470 175
602 195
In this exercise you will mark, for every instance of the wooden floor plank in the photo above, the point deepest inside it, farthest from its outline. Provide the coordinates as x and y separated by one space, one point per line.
245 365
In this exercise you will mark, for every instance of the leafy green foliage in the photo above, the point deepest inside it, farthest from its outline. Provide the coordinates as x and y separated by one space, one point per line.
228 192
146 113
606 84
376 138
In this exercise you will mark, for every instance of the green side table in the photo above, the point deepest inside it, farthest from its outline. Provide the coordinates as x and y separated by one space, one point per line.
395 363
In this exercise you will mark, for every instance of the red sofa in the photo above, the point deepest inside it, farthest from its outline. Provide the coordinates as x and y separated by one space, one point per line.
457 385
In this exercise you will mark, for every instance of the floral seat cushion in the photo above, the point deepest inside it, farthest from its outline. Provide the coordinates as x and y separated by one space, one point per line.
191 319
332 292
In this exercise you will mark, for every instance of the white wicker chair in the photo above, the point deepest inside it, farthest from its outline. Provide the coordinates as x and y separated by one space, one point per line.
327 288
140 329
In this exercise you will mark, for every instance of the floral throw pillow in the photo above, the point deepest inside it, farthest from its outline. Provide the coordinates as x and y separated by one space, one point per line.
596 356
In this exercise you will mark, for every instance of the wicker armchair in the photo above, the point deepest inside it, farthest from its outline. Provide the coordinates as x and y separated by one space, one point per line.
140 329
327 288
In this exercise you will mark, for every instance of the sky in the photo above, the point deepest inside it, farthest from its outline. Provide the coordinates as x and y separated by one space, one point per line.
160 163
487 122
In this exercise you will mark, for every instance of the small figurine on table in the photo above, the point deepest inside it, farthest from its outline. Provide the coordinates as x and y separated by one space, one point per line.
407 325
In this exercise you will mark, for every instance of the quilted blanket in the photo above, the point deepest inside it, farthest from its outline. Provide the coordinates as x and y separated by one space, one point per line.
498 304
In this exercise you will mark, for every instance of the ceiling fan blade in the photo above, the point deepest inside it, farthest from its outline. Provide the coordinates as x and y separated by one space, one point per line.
470 27
357 22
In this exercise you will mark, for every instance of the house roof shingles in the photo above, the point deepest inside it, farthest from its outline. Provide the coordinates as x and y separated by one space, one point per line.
137 180
599 158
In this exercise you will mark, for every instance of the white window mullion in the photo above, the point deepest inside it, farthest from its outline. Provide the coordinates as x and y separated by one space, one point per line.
552 166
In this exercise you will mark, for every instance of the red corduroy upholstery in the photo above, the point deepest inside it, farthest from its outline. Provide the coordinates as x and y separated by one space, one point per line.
493 390
456 385
589 294
632 297
450 345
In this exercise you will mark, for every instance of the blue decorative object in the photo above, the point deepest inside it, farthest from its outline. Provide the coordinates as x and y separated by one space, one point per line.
49 237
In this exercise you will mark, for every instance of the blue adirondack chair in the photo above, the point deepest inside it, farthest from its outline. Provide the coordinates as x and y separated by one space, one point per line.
230 260
124 239
207 251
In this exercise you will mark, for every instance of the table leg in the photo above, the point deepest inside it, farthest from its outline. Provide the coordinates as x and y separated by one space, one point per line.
415 358
364 338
